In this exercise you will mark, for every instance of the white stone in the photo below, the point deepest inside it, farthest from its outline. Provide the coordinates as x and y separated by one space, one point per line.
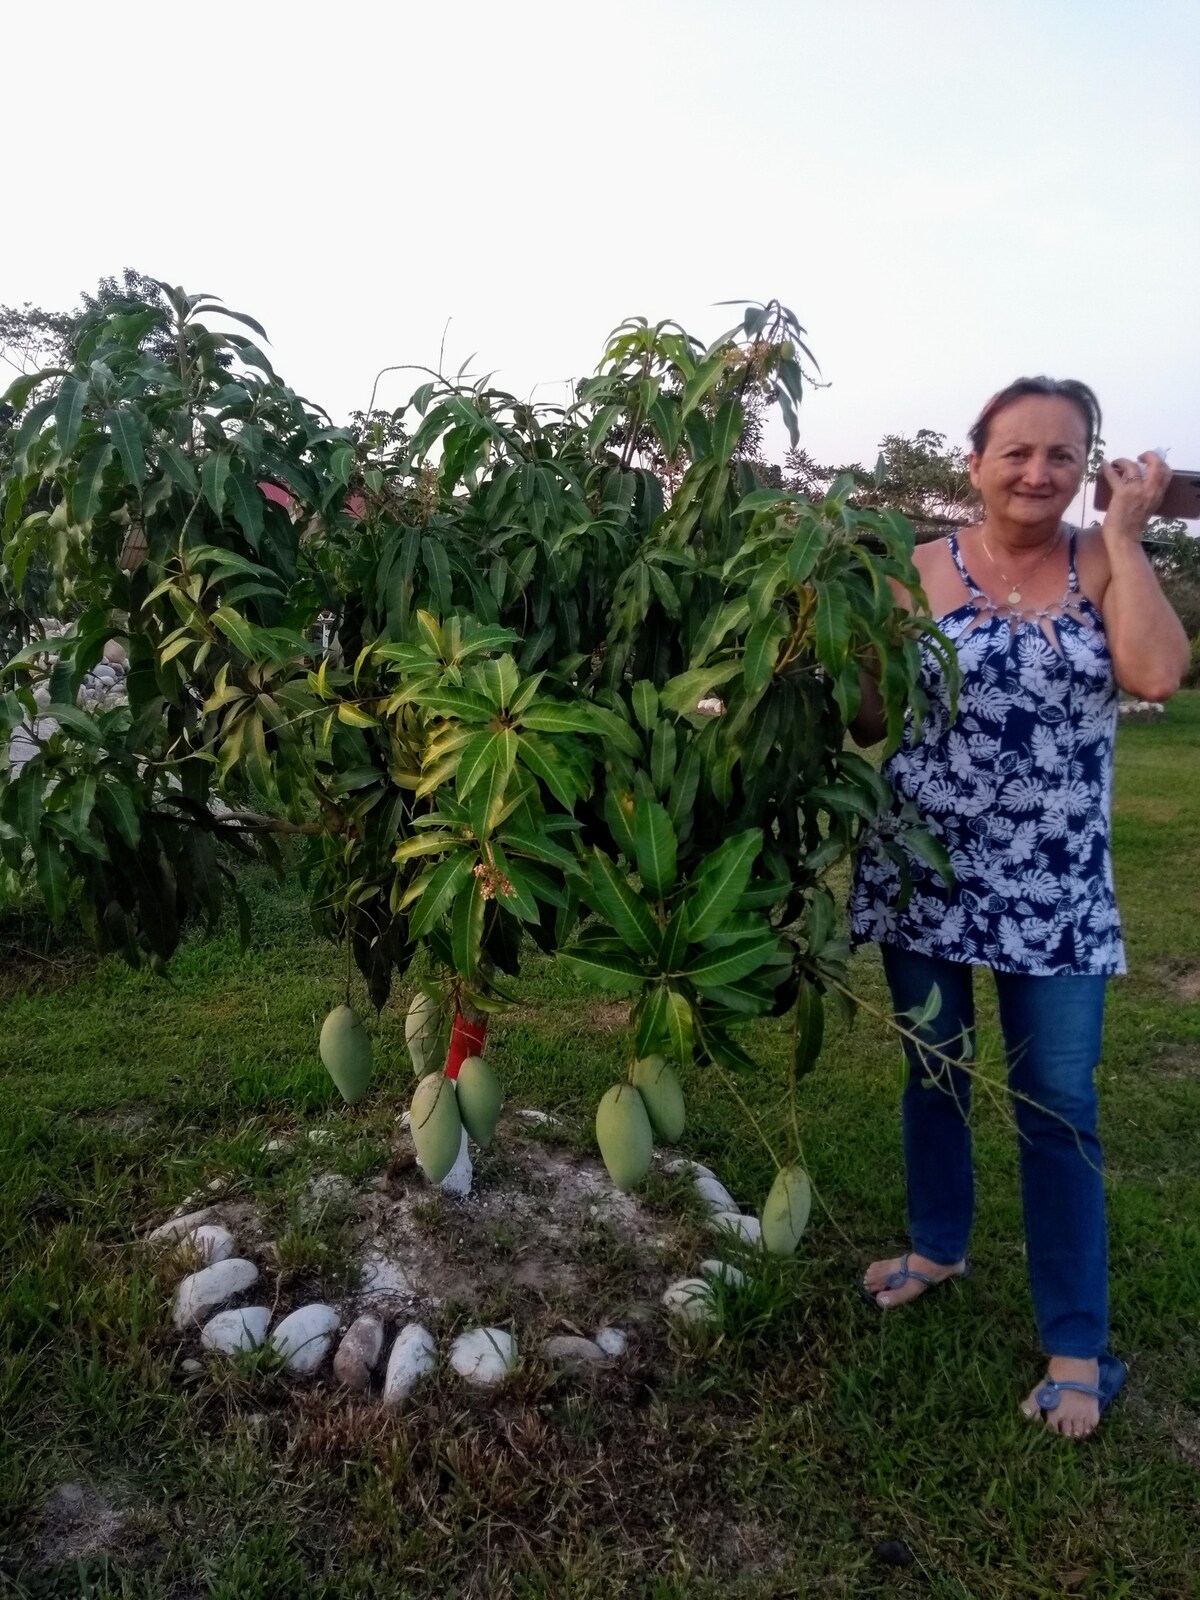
329 1189
458 1180
207 1290
748 1229
320 1136
568 1350
690 1298
383 1278
723 1272
177 1228
304 1337
212 1243
712 1191
242 1329
412 1356
191 1366
272 1145
532 1115
359 1352
484 1355
612 1341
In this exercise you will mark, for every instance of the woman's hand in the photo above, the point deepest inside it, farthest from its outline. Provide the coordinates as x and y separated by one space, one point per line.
1149 648
1137 488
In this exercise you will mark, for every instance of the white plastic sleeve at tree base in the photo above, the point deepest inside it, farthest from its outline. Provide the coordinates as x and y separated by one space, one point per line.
458 1180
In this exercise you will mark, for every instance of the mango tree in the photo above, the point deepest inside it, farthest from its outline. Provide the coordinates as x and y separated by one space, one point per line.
588 684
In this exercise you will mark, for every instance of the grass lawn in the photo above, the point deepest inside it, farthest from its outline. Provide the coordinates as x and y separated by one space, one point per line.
769 1460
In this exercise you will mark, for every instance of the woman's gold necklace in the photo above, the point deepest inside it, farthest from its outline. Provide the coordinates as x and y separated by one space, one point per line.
1014 598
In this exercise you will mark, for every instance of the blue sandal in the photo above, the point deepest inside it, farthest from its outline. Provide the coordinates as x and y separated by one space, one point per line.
901 1276
1112 1381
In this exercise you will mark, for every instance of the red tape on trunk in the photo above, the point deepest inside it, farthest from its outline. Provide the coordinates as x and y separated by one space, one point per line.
466 1039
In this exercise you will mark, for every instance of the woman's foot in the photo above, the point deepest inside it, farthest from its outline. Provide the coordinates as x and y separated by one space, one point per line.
1076 1415
879 1272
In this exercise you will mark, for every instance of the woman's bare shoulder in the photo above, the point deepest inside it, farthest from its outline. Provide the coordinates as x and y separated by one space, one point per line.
939 575
1091 563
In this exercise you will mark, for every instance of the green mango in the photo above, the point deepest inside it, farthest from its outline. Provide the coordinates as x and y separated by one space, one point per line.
785 1215
658 1086
424 1027
624 1135
479 1099
436 1125
346 1052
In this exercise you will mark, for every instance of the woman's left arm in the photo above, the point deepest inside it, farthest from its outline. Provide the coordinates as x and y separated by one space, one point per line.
1150 650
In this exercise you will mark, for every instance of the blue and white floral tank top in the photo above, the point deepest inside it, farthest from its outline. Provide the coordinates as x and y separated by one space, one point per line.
1018 789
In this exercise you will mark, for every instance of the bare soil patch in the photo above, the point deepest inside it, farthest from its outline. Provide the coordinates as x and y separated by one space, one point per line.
79 1521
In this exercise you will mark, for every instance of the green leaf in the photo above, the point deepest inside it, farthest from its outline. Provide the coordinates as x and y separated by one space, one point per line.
246 502
615 897
498 680
354 716
675 940
683 693
557 716
73 720
930 850
651 1031
466 928
447 701
30 428
605 969
762 650
662 757
425 844
68 412
487 799
177 466
654 838
768 580
540 846
679 1026
437 568
442 885
810 1028
544 761
127 436
214 475
721 882
832 633
733 961
645 703
481 752
804 550
52 875
89 482
236 629
727 429
118 806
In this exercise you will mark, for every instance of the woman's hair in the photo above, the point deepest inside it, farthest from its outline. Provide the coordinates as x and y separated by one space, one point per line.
1079 395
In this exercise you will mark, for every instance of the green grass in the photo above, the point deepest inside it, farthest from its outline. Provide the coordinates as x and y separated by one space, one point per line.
769 1459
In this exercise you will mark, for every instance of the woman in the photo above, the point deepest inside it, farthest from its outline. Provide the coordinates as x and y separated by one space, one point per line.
1048 623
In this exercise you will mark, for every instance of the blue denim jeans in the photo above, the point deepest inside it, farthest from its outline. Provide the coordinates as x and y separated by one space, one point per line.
1052 1032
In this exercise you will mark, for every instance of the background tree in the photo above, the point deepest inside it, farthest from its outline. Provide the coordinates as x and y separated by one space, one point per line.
921 479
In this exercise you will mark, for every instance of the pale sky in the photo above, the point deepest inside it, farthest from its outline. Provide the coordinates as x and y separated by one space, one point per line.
949 193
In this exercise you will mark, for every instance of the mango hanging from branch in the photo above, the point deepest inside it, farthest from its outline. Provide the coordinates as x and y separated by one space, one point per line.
624 1135
346 1053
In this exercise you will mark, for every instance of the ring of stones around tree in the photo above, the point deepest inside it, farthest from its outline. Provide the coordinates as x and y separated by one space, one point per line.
579 1272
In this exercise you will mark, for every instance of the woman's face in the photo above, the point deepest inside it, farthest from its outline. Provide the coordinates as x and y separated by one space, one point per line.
1032 465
